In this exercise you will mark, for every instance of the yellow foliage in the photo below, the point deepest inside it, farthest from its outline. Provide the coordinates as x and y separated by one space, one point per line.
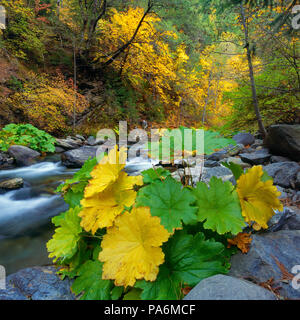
258 199
108 192
131 249
48 103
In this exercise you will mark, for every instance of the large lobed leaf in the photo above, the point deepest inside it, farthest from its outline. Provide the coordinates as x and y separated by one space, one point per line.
90 284
188 260
63 245
169 201
219 206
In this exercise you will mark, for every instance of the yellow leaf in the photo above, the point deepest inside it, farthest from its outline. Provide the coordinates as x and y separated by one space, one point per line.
106 172
108 192
258 199
131 248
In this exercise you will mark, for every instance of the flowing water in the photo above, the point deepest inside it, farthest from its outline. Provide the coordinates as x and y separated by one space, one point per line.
25 214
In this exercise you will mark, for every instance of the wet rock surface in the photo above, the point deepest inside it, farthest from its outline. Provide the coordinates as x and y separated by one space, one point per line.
37 283
23 156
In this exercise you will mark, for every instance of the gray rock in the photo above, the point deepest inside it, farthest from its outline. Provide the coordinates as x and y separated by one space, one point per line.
24 156
257 143
12 184
211 164
244 138
275 159
283 173
37 283
234 150
258 157
284 139
267 253
207 173
92 141
221 287
280 219
68 144
217 156
298 180
238 161
80 137
6 161
59 150
77 157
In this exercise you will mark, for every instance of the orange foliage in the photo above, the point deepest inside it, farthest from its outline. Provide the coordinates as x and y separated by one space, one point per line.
242 241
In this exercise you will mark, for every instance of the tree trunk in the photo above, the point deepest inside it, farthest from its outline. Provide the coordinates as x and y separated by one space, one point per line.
207 97
251 74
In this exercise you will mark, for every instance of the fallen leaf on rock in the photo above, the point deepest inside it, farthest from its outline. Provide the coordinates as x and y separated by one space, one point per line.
242 241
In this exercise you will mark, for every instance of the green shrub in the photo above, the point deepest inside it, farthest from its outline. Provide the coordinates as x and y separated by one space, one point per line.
26 135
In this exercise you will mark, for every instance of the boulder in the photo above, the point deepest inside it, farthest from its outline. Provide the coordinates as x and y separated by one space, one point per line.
221 287
24 156
6 161
257 157
284 139
11 184
37 283
275 159
244 138
284 173
77 157
271 255
68 144
92 141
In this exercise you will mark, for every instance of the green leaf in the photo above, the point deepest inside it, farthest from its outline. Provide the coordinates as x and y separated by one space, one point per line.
73 189
133 294
116 293
151 175
236 169
219 206
64 242
188 260
265 177
90 282
169 201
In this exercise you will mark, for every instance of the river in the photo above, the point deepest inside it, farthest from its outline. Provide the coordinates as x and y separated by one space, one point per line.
25 214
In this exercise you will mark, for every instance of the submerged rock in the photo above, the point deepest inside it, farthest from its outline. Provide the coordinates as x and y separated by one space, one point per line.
24 156
221 287
37 283
12 184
